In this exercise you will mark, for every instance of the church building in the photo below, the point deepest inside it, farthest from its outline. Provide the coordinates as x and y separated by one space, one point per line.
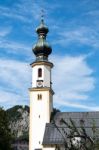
46 133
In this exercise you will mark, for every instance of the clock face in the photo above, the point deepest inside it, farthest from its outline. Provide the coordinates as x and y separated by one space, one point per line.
39 83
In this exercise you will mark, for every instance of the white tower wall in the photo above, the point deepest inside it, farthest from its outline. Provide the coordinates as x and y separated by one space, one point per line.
41 105
39 116
46 75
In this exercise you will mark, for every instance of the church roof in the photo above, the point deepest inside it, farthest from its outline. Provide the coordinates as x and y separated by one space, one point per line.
55 132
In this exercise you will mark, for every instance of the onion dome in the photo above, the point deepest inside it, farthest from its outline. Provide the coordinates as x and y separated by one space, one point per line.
42 49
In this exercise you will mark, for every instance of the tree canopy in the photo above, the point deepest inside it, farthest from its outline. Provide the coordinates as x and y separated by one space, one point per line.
5 134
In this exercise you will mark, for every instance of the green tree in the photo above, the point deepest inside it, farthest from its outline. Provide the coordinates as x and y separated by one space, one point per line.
5 134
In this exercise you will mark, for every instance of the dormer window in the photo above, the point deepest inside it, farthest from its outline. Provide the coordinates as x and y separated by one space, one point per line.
39 72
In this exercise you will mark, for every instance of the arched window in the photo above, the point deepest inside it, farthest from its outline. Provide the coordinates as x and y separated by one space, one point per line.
39 72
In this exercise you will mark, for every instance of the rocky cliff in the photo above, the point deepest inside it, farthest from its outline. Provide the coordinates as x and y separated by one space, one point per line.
19 121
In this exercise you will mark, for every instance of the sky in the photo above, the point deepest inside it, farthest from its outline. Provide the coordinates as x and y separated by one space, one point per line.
74 37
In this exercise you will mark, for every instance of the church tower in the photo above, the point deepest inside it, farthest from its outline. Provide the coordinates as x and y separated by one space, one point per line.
41 93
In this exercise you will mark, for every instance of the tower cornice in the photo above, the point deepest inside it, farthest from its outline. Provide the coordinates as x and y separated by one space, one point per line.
42 89
42 63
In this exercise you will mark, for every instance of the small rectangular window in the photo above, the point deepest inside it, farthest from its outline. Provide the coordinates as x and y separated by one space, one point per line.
39 96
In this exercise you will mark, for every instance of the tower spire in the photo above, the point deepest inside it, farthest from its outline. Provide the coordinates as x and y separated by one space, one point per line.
42 49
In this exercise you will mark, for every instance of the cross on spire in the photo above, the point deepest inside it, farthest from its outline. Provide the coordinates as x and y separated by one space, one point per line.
42 14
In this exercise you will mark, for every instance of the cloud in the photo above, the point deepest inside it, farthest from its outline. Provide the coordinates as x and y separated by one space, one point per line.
78 105
22 10
13 13
73 81
13 72
93 13
10 99
4 31
80 35
14 82
13 47
74 70
10 46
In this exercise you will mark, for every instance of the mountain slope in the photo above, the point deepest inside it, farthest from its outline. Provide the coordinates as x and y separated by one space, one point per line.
19 121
